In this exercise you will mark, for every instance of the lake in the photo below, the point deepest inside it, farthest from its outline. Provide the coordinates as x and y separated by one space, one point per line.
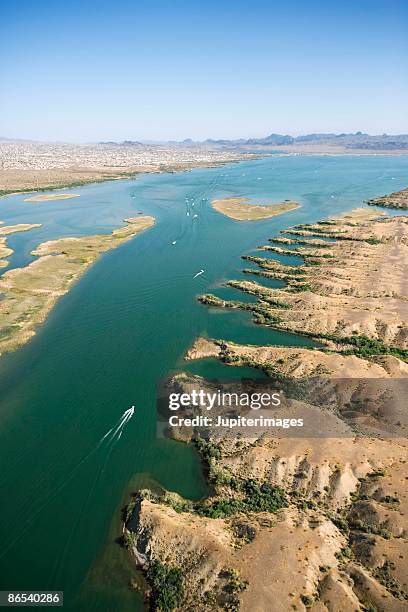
123 326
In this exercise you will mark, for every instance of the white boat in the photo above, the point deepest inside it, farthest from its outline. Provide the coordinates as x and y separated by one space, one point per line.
198 273
174 242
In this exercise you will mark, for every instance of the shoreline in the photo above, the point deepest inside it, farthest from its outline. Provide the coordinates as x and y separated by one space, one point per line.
30 293
121 175
103 175
397 200
334 298
5 231
339 499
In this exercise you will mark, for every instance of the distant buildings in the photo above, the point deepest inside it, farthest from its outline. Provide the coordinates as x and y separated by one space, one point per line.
21 155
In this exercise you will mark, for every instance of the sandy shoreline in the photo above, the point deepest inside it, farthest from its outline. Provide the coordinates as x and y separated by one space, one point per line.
29 293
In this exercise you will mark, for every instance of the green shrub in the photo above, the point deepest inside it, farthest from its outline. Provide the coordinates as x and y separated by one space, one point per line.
130 539
208 450
384 576
167 586
307 600
257 498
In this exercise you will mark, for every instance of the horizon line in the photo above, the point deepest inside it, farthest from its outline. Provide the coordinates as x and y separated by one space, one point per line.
147 141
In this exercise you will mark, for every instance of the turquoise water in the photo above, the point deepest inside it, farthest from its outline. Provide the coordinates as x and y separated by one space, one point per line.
127 323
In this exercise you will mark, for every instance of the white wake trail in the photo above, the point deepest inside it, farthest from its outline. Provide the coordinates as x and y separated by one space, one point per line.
125 418
118 428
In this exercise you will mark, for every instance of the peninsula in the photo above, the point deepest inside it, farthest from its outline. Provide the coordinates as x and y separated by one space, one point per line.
397 199
329 510
28 294
240 209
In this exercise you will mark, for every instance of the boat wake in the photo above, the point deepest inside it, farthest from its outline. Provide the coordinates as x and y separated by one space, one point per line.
107 441
115 433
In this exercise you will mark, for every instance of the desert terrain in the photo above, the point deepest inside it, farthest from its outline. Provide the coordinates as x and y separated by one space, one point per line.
313 522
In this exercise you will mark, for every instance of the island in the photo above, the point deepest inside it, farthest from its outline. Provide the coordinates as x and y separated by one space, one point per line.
240 209
29 293
314 521
51 197
397 199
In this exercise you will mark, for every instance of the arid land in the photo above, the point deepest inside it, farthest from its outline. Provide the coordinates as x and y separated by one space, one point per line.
29 293
302 523
397 199
240 209
348 290
36 166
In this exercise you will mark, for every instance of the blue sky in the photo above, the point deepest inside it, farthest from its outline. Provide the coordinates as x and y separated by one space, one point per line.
97 70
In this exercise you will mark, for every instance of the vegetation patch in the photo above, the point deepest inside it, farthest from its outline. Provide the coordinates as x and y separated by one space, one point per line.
256 498
384 576
167 586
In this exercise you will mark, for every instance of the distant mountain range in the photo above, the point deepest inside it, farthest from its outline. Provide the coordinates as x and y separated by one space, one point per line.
358 140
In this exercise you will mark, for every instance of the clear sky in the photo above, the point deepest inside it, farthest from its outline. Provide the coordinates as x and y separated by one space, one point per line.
97 70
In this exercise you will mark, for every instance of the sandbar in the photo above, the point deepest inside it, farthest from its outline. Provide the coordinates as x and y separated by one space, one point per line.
19 227
51 197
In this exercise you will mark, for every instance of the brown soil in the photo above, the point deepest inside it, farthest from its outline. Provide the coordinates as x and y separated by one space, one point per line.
341 542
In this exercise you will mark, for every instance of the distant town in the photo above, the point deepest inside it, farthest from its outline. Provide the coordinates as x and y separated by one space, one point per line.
43 155
31 166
